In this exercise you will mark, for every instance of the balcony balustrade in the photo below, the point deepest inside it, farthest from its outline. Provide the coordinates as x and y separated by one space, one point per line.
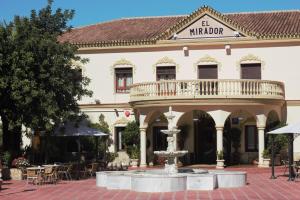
206 89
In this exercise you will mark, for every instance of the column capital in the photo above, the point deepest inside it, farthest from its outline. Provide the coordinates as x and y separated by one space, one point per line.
261 128
219 128
144 128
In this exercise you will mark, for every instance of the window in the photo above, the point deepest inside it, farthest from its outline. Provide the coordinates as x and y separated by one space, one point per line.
251 138
208 72
251 71
123 79
165 73
118 138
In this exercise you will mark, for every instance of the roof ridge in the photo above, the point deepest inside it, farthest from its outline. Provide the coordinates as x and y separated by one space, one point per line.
103 22
160 16
170 16
263 11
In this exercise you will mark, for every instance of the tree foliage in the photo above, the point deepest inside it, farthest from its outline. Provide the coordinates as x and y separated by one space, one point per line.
102 125
39 83
131 139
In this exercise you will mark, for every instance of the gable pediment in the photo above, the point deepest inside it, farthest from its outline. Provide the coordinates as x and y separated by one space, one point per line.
205 23
207 27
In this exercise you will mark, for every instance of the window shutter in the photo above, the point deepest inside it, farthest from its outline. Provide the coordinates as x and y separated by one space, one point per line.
251 71
208 72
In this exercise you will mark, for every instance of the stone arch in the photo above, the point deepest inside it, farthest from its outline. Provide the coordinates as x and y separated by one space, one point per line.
203 137
272 121
234 136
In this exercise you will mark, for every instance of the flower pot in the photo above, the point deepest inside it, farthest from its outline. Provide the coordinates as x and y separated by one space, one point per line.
220 164
5 173
134 162
266 162
16 174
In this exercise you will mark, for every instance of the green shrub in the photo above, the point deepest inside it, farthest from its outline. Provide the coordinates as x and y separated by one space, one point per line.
131 139
7 158
266 154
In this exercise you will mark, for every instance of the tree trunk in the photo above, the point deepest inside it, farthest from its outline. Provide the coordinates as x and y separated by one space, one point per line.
5 132
11 138
16 139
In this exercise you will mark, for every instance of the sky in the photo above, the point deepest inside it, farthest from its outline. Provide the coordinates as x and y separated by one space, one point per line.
95 11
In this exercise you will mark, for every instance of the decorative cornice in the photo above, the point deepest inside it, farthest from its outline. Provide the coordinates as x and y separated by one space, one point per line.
250 58
165 61
111 106
207 60
122 121
122 63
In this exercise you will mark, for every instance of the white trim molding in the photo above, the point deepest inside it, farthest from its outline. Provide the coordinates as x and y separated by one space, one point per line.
248 59
165 61
207 60
122 63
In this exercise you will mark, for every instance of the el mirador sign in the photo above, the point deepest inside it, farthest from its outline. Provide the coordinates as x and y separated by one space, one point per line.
206 27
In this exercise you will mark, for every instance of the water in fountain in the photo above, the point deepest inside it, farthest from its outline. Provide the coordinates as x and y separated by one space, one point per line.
171 153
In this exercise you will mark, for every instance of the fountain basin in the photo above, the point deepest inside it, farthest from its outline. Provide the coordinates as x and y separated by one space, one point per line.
159 181
170 132
170 154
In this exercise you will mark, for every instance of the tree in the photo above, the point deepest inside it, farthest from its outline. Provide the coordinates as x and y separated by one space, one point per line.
39 83
131 139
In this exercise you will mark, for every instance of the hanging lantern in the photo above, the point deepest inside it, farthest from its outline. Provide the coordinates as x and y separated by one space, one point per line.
127 113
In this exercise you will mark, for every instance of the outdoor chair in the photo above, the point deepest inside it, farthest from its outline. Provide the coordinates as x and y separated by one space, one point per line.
84 171
50 175
92 169
285 163
65 171
32 176
296 169
24 173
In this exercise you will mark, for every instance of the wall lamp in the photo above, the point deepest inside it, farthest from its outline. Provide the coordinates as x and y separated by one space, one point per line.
228 49
185 51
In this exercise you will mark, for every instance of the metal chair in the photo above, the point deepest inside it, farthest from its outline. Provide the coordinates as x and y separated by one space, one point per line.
285 163
65 171
50 175
32 176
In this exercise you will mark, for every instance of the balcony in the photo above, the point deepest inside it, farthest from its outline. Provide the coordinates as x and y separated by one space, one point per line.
207 89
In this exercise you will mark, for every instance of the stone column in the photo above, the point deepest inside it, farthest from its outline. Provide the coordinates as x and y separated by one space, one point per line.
220 162
219 138
261 144
143 147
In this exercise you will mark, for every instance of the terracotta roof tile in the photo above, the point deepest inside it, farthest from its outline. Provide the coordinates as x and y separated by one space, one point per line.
123 29
269 22
261 23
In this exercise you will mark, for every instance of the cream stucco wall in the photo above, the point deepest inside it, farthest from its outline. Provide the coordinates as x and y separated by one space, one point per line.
279 64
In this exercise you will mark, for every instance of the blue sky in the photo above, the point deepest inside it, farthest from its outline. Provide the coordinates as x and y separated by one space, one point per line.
94 11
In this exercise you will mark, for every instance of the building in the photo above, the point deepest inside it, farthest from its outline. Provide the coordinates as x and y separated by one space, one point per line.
221 73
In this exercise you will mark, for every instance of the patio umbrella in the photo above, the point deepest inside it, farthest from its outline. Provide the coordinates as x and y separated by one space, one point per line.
78 129
292 131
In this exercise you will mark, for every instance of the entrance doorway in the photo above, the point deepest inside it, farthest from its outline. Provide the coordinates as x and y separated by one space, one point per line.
205 138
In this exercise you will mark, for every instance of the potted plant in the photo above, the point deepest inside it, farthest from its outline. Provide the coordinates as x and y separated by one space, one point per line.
19 165
266 158
131 141
220 160
6 161
134 154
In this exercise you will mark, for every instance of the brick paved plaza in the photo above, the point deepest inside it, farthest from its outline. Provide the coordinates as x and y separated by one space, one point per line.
259 187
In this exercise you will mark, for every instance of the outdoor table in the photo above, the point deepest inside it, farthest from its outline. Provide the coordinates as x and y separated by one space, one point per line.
38 171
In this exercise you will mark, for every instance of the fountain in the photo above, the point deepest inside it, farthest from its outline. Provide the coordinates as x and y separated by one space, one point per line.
171 154
170 179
